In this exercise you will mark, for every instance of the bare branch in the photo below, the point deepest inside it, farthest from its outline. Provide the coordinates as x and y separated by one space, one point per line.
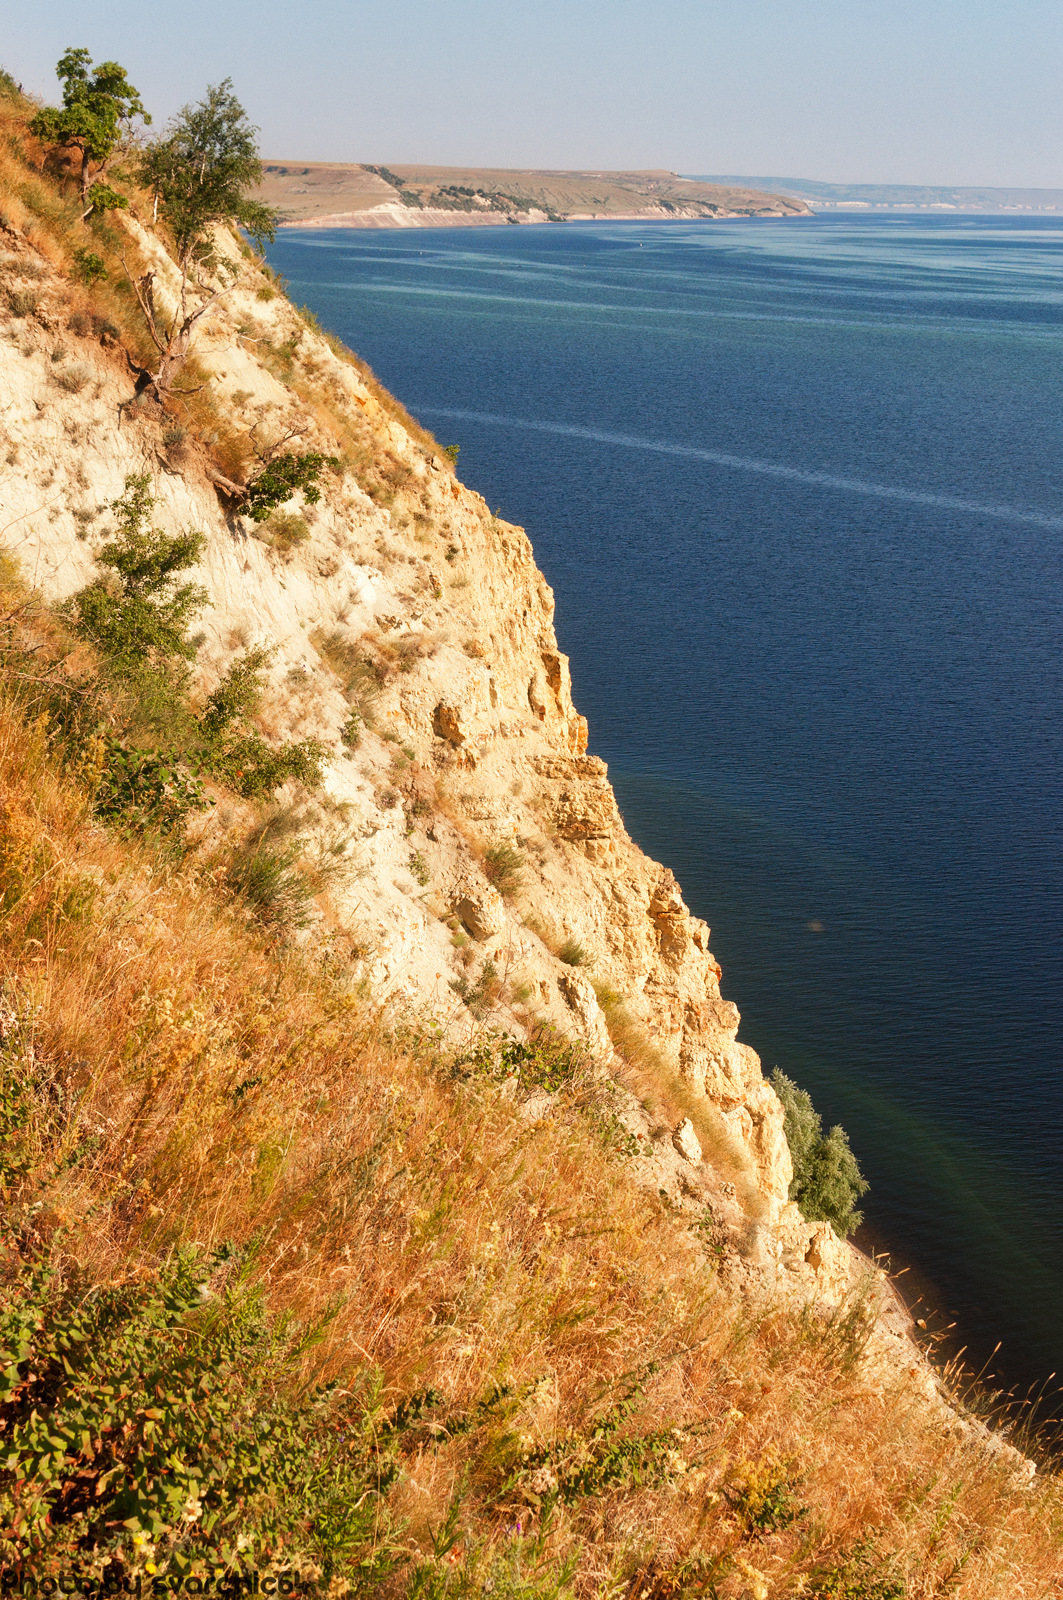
222 482
173 342
267 455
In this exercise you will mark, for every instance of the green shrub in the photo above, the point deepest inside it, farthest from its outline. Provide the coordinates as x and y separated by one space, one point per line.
88 267
102 197
149 791
255 769
599 1457
572 954
761 1494
237 694
827 1181
546 1062
138 619
863 1574
152 1427
281 478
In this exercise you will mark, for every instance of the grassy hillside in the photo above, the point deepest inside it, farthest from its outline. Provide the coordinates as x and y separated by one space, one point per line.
300 1290
309 190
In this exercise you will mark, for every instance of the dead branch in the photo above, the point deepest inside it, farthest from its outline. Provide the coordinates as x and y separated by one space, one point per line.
222 482
267 455
171 342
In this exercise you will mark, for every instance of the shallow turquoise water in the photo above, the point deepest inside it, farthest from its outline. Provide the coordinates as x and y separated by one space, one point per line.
797 487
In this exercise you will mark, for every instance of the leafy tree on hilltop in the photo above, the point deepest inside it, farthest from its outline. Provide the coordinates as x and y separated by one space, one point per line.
98 105
202 172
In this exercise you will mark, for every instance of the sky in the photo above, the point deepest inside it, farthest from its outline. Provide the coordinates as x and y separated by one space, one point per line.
848 91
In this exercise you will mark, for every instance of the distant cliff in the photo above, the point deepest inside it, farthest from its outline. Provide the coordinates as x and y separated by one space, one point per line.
334 195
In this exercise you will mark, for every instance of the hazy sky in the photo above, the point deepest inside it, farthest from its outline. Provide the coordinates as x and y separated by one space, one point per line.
904 91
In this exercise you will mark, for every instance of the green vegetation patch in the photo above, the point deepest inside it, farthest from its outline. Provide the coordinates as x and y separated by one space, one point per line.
147 774
827 1181
156 1426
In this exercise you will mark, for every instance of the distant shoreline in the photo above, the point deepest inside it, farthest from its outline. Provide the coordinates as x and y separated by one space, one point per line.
352 195
908 197
392 217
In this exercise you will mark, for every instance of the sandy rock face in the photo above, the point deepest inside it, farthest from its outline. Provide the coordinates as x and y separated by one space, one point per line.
686 1142
479 908
412 614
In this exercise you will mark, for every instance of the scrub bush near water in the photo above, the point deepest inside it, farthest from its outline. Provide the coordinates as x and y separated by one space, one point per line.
827 1181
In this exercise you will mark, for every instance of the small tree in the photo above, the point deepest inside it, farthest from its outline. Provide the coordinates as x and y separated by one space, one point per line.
827 1181
97 107
200 175
141 615
202 172
137 618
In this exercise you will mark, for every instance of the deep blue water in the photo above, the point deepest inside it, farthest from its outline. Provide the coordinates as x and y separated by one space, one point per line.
797 486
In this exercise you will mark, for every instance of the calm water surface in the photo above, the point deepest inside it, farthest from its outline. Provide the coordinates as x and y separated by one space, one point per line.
797 486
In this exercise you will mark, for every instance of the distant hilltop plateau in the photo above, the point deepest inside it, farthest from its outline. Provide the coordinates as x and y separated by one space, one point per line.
900 196
324 194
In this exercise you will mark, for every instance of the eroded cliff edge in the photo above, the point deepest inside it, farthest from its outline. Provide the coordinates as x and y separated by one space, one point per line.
412 632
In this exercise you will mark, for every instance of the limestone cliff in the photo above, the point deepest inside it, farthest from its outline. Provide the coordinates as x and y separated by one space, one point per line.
480 871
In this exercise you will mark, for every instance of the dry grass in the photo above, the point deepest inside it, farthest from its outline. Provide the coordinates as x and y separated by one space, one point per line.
43 206
651 1077
210 1088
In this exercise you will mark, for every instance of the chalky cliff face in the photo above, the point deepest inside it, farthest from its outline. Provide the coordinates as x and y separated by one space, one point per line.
412 633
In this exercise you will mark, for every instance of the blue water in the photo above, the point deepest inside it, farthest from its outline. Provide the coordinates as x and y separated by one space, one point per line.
797 486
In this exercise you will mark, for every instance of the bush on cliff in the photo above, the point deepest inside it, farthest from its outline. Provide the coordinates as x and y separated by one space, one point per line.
136 616
155 1424
827 1181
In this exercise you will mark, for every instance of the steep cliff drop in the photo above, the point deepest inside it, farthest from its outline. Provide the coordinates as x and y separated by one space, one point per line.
484 875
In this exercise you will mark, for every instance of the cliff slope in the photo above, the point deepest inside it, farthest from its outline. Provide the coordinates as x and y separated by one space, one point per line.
474 889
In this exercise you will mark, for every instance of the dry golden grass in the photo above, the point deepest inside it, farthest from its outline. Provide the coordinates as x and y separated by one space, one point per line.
195 1084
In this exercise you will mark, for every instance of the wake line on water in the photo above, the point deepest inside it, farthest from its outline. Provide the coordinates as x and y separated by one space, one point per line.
767 469
919 321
